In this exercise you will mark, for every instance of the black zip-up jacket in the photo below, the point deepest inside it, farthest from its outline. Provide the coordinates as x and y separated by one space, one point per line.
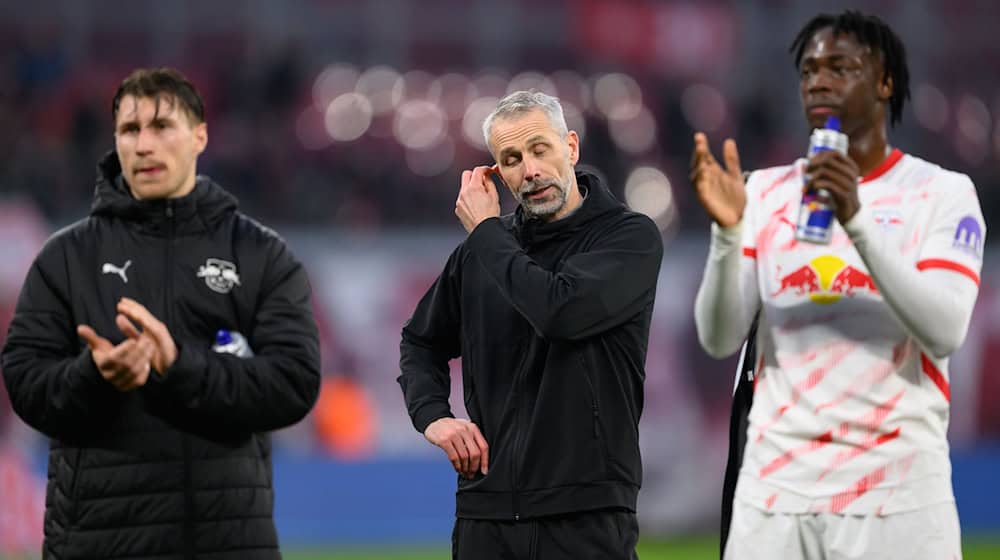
180 467
551 321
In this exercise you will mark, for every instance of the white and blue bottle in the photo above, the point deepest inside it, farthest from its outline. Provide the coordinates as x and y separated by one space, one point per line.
232 342
816 214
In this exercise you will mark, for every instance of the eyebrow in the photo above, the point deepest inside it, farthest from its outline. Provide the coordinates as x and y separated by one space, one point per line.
134 121
536 139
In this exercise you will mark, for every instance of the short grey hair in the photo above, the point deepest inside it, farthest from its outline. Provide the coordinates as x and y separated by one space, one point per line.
521 102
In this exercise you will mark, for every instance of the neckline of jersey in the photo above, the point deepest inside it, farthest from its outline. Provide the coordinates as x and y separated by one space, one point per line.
883 167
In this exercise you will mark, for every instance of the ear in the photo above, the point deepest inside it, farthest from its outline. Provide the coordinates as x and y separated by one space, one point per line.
573 141
885 89
200 132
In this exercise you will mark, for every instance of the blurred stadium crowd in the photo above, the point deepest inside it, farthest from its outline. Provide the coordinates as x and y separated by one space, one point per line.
345 125
360 115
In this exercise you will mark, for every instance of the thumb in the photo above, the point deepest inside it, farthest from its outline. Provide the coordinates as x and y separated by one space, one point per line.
93 340
732 158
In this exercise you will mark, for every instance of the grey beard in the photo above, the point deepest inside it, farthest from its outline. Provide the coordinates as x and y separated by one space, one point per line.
549 207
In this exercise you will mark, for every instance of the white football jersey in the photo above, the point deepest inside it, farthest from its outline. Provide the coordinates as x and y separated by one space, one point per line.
850 412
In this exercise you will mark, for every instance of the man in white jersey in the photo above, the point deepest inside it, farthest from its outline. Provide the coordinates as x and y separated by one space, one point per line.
846 454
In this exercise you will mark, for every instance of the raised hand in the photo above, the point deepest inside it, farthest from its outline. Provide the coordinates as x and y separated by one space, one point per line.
720 191
477 198
463 442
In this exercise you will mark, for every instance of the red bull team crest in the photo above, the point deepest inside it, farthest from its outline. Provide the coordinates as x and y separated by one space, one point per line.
825 280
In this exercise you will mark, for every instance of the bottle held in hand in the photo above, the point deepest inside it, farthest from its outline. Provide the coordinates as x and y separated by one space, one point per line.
816 213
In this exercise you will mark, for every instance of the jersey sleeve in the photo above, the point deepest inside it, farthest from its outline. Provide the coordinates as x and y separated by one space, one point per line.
957 232
932 299
728 297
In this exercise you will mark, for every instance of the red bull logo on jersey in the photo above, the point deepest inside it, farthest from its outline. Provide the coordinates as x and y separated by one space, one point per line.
825 280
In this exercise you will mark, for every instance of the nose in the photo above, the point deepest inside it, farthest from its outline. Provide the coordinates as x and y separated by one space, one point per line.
144 141
818 80
532 169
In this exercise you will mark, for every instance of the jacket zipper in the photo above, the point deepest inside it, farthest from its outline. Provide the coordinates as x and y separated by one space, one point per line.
595 410
515 499
185 441
516 452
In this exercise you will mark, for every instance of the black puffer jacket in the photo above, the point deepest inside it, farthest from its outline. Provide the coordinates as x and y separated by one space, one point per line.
179 468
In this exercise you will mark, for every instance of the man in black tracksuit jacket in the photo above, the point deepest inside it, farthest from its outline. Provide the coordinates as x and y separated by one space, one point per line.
549 309
159 445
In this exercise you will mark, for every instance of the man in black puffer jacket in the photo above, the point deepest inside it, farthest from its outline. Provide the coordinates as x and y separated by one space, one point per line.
159 445
549 309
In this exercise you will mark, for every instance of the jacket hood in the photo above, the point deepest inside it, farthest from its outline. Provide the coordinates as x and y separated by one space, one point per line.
207 204
597 201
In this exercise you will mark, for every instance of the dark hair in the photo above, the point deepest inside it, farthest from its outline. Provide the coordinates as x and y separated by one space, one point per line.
161 84
873 33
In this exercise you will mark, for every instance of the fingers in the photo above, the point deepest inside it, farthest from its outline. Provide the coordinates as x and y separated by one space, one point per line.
453 455
828 171
484 449
95 341
464 444
129 363
138 313
701 152
732 158
703 163
478 177
154 328
466 177
126 327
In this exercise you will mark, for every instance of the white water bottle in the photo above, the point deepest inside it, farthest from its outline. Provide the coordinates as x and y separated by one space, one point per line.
232 342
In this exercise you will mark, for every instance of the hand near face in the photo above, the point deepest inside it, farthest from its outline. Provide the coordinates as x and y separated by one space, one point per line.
125 366
463 442
153 330
838 174
720 191
478 198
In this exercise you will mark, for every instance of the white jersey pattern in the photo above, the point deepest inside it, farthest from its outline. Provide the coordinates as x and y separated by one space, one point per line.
851 399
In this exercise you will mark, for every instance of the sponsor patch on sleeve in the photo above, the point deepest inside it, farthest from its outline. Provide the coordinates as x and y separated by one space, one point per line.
969 236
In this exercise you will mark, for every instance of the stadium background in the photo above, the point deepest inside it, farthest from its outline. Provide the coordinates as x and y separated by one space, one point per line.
345 125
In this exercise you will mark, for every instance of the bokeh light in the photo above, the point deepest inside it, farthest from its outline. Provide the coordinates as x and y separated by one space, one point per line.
617 96
575 119
334 81
472 122
419 124
571 88
418 84
648 190
635 134
433 160
383 86
452 92
527 81
348 117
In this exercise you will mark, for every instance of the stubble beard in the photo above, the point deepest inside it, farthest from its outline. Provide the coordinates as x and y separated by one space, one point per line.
545 209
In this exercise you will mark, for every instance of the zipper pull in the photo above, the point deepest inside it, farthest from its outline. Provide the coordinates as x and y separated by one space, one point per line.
170 209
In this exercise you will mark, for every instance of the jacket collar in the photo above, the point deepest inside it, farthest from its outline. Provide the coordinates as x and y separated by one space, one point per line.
195 212
597 201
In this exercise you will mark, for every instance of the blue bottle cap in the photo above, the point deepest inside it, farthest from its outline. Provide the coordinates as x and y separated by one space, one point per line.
832 122
223 337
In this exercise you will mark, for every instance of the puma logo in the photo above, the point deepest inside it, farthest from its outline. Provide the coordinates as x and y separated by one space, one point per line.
109 268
